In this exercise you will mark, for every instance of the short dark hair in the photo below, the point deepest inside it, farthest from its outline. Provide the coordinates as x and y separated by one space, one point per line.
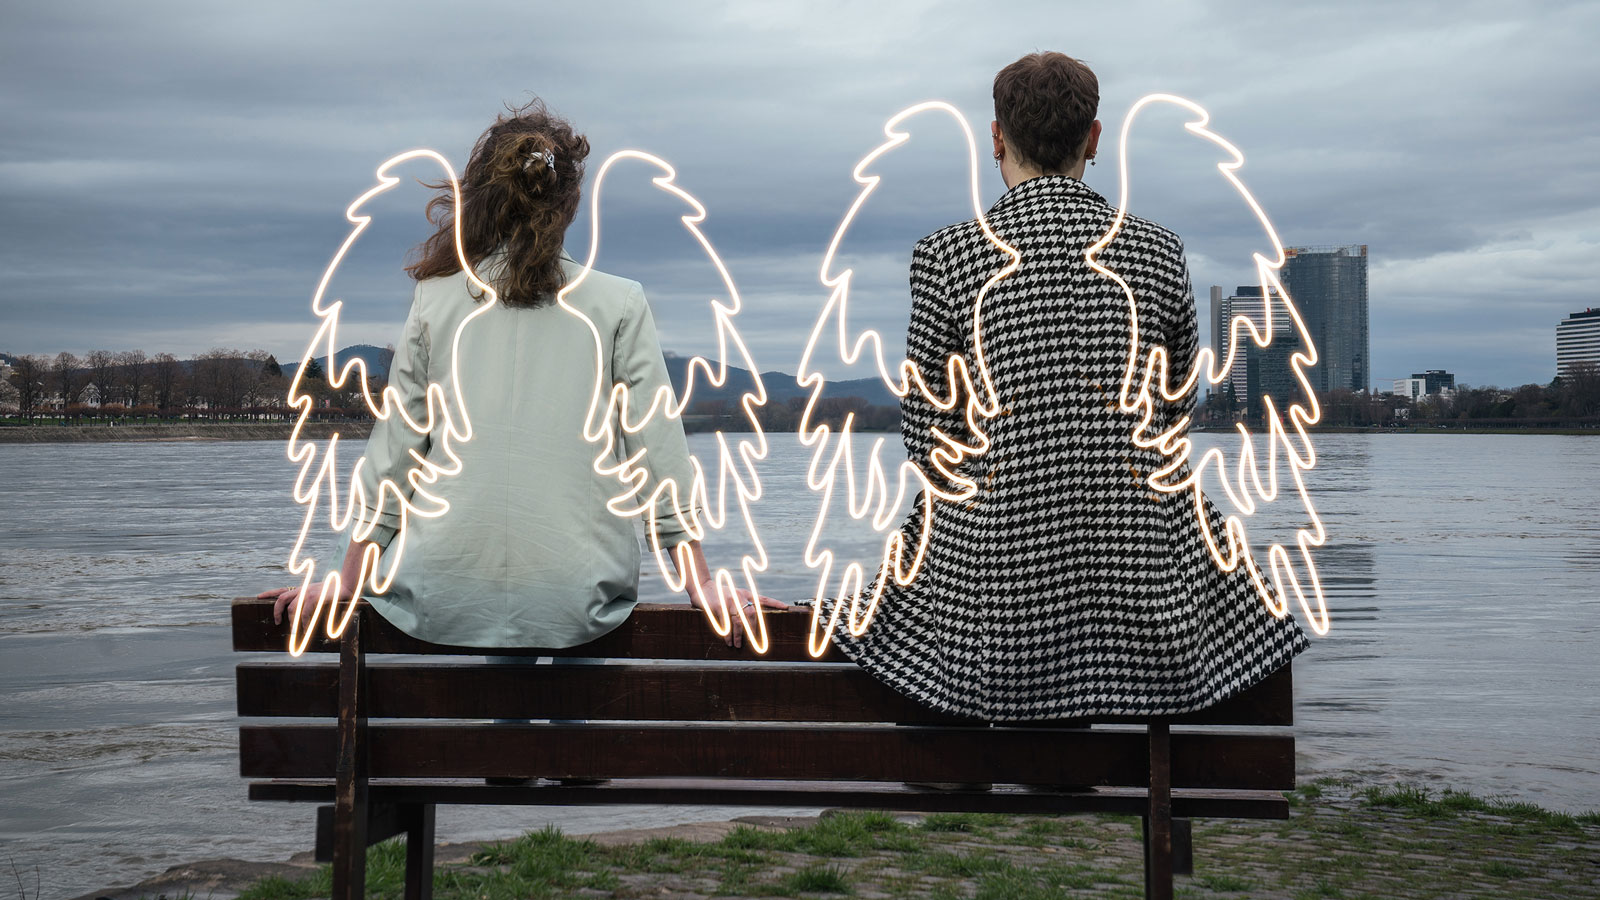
1045 104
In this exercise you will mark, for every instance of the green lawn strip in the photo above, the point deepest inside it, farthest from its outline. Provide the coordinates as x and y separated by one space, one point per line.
1342 840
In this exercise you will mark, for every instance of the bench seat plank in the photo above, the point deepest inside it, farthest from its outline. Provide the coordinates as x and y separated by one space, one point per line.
1010 799
1237 761
664 631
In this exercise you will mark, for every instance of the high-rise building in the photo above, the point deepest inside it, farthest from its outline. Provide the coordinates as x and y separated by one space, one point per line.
1578 340
1423 384
1329 287
1256 371
1437 381
1219 322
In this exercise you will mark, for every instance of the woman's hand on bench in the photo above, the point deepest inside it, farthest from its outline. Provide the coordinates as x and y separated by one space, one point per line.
700 585
350 575
704 597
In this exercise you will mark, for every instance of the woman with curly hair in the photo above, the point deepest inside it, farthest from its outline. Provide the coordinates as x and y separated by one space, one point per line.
528 554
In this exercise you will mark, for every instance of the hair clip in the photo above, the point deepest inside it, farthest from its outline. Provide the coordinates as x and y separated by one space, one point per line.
545 156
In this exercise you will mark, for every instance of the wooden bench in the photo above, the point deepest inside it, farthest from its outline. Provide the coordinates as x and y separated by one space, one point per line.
714 726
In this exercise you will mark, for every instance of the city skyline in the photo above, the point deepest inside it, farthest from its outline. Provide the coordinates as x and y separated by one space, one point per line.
194 205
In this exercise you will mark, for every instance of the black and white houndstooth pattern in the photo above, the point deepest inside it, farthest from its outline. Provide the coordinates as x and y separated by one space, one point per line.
1066 587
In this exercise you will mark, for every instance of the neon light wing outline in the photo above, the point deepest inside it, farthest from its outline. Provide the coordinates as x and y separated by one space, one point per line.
1173 442
735 467
323 477
829 457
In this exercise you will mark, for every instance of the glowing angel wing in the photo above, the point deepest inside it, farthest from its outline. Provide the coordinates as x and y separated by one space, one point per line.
832 462
1149 383
318 481
735 478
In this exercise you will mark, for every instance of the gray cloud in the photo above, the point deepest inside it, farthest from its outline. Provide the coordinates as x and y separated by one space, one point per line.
174 174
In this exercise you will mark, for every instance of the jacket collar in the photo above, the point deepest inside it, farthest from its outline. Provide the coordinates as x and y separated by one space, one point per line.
1033 190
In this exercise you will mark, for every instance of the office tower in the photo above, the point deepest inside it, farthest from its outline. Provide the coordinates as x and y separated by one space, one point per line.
1578 340
1246 301
1329 287
1423 384
1256 371
1437 381
1219 322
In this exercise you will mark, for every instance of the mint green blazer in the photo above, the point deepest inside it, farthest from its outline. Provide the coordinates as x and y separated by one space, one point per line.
528 554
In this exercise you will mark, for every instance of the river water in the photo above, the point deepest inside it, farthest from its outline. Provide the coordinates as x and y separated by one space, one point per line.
1461 573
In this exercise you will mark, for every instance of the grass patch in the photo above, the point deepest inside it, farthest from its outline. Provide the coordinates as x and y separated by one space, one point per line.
1498 869
1420 801
1226 883
851 834
386 873
964 823
816 880
944 864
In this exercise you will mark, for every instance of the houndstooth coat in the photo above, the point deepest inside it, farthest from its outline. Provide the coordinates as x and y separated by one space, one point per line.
1066 587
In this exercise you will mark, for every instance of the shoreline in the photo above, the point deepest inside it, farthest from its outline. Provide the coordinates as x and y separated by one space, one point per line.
176 432
1346 833
179 432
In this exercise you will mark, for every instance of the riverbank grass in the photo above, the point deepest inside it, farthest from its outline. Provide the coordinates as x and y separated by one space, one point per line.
1342 840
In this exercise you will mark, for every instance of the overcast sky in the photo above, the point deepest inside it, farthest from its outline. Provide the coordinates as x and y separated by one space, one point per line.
174 175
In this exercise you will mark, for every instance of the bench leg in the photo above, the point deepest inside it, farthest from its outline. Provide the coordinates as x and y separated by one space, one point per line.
419 851
1158 818
350 772
1182 847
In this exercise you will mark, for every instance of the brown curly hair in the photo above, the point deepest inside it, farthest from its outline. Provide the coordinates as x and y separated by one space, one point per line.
1045 104
511 197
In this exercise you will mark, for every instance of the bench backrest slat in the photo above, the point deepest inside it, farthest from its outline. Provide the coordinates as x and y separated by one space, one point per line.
838 753
760 692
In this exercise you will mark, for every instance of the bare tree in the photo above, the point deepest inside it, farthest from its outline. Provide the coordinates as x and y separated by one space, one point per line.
10 402
264 375
64 376
1581 387
166 379
102 365
28 374
135 376
206 385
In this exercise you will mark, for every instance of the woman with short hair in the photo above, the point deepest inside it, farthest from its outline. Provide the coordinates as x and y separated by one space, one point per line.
1066 587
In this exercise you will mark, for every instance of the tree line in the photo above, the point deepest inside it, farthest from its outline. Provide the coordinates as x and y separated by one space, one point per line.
220 384
784 415
229 384
1573 399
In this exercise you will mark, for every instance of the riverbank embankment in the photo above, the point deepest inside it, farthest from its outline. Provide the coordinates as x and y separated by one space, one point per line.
1342 839
178 431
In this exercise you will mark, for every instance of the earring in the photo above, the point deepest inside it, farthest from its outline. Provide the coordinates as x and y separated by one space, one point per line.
1091 160
997 158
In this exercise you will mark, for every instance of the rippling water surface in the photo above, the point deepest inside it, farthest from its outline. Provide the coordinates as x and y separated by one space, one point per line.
1461 571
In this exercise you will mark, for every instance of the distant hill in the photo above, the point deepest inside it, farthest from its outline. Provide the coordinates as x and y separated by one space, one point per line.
377 358
780 385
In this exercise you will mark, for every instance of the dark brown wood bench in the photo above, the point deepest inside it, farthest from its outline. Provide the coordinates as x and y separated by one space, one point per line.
711 726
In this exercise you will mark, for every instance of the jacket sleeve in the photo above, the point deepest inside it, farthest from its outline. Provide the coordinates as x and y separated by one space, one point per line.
389 448
931 338
1182 331
637 363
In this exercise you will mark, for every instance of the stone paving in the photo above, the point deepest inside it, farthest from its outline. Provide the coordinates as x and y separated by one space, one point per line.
1338 842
